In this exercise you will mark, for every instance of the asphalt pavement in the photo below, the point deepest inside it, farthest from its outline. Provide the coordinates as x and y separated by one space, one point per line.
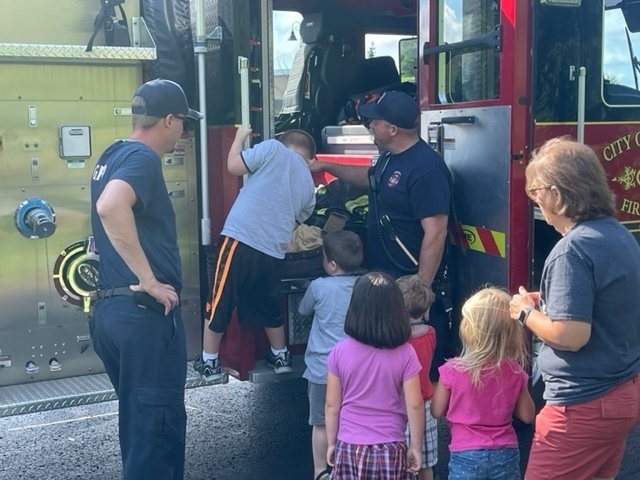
238 431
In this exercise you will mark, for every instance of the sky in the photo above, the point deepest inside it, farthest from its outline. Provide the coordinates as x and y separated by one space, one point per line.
616 54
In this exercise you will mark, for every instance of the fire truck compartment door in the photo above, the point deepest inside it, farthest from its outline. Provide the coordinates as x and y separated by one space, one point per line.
478 154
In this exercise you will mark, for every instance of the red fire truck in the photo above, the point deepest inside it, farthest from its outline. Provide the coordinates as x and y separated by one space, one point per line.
494 79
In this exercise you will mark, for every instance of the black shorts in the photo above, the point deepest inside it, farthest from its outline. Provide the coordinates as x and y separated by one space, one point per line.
247 279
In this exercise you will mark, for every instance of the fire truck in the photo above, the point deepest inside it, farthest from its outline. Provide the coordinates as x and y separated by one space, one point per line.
494 80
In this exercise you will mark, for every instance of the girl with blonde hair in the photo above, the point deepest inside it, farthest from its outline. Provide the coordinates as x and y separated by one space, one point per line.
480 390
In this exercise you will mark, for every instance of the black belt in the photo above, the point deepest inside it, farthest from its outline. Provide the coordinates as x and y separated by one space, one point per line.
106 293
115 292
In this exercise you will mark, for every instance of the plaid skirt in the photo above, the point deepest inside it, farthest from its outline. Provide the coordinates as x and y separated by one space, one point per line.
430 440
383 461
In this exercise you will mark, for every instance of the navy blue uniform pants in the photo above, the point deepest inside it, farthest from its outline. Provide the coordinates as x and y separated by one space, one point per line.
144 354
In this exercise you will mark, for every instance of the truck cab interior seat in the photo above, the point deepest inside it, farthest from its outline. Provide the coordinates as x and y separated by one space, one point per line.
616 94
318 80
373 73
372 77
335 80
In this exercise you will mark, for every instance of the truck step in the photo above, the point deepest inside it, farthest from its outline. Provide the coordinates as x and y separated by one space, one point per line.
69 392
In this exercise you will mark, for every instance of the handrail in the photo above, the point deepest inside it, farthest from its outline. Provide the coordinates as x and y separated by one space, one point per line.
493 39
581 103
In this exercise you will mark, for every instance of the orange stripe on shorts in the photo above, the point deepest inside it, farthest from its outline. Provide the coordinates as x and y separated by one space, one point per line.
224 260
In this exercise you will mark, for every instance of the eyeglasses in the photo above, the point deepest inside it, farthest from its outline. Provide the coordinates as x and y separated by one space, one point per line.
531 192
181 117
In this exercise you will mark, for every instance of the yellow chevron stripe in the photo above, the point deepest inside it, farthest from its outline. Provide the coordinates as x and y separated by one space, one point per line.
473 239
500 239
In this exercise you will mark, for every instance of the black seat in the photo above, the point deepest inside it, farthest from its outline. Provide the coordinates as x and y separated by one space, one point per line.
373 73
616 94
318 80
371 77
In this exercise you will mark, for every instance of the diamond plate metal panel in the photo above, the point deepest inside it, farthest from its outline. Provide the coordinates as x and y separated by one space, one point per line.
25 51
69 392
299 325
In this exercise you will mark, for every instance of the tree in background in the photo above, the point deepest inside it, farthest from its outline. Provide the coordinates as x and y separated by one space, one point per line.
372 50
408 59
612 78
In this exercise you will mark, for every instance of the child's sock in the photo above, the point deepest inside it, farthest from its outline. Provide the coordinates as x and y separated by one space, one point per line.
278 352
209 356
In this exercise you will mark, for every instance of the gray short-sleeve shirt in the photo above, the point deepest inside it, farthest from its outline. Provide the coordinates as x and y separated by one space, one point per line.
328 299
278 192
592 275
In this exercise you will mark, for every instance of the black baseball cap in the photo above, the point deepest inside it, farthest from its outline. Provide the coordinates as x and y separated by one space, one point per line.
397 108
163 97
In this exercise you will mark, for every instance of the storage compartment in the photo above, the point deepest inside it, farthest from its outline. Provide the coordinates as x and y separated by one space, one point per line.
348 139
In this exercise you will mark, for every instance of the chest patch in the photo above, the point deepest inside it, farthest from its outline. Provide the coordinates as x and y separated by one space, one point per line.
394 179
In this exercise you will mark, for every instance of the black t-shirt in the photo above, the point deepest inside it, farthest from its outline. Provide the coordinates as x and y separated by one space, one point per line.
140 167
415 184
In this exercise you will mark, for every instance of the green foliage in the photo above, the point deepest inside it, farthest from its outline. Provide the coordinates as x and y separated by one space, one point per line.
408 58
612 78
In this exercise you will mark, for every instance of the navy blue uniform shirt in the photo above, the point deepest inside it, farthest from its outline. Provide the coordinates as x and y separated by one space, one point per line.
415 184
140 167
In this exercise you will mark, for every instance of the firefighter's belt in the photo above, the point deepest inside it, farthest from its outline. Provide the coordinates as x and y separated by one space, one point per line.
107 293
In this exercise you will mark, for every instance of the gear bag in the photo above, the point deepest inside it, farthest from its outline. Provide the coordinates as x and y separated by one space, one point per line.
116 31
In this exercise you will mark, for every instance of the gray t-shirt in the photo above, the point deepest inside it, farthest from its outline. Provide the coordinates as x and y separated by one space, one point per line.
592 275
328 299
278 192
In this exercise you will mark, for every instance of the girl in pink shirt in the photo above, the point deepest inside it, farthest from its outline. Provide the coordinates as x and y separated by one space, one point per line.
373 386
481 390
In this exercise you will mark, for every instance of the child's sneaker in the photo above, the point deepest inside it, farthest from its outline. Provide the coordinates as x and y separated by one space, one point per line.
209 371
281 363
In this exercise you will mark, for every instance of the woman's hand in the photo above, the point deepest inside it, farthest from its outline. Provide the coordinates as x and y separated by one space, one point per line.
522 300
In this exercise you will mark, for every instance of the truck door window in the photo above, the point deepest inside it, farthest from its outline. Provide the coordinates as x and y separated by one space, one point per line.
408 55
396 46
467 73
620 66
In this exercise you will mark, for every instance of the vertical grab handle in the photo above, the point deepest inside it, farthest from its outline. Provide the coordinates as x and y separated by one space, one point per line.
581 103
435 136
245 108
200 50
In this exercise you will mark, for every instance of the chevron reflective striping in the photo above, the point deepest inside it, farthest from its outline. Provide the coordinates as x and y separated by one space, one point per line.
479 239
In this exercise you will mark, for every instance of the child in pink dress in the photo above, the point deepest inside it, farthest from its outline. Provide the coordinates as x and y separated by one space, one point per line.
481 390
373 386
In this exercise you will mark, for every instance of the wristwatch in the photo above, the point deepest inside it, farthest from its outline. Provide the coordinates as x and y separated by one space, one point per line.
524 314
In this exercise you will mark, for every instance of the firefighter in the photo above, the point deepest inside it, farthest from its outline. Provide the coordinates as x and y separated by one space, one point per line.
409 200
136 328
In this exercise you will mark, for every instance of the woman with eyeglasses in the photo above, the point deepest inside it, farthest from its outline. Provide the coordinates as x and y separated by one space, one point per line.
587 314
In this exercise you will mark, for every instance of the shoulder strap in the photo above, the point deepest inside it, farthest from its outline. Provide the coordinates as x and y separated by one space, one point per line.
106 18
375 177
100 20
382 221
